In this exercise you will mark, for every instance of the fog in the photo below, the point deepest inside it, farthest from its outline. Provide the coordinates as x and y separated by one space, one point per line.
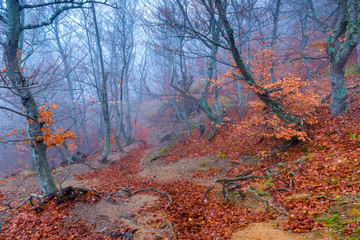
90 67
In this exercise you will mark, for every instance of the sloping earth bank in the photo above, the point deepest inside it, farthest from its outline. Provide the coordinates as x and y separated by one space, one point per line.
189 216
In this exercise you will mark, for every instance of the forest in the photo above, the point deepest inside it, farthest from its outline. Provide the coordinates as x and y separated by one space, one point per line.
180 119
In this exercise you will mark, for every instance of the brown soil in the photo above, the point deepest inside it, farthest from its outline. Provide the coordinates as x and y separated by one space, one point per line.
271 231
120 212
184 168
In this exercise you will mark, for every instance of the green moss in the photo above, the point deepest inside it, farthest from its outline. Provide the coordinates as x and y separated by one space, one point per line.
333 181
305 149
355 212
226 102
165 150
221 155
352 136
330 220
319 147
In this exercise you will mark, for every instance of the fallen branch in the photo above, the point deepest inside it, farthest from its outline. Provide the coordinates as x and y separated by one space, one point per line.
29 199
97 151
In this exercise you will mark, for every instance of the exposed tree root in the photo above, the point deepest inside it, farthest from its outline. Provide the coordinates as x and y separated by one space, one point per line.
67 194
328 198
158 191
256 195
227 182
156 157
64 195
126 235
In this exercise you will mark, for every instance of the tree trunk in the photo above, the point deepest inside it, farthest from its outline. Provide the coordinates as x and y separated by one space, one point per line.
103 92
274 37
69 82
261 93
12 57
240 98
358 54
127 127
348 28
338 89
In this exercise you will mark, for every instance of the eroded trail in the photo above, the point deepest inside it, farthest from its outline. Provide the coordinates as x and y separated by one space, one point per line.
117 211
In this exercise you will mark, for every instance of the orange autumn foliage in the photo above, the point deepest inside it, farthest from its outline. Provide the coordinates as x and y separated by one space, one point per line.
50 137
295 95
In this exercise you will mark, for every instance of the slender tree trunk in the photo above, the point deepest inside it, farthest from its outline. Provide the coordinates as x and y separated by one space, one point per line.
142 79
274 37
127 116
304 40
69 82
240 98
103 92
204 93
86 142
12 56
358 54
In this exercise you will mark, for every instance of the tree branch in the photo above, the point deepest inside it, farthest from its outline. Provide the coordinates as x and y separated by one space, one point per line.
28 6
329 95
3 19
52 18
19 113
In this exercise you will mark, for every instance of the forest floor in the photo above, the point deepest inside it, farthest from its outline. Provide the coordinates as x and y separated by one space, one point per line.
189 215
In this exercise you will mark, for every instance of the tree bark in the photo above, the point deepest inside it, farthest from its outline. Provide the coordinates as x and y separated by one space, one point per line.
348 25
103 92
261 93
69 82
274 37
338 89
18 81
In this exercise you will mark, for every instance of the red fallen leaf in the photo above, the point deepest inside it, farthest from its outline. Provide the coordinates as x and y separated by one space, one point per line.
3 236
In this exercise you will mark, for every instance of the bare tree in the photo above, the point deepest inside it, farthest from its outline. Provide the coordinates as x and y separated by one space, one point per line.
11 17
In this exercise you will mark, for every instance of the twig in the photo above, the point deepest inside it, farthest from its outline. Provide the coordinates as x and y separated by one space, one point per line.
13 197
29 199
329 95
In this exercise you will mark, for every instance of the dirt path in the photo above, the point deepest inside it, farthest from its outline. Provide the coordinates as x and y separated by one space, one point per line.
144 212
